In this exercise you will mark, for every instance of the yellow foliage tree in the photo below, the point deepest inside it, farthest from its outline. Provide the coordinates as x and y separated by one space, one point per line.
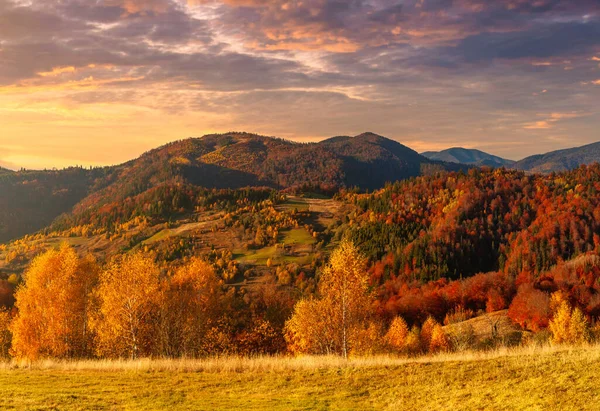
397 333
568 325
439 340
559 324
343 311
191 306
53 305
427 331
557 299
128 297
579 327
308 331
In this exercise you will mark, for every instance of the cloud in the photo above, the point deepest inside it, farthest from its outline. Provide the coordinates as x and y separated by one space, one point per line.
538 125
550 120
442 71
140 6
561 39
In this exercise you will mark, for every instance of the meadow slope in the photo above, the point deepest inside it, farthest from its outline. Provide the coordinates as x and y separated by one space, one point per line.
527 378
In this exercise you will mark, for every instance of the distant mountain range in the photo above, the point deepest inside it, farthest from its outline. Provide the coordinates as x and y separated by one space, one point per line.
561 160
468 156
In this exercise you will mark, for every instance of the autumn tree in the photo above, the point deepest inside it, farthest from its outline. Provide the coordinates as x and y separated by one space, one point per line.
128 297
397 334
53 306
439 340
343 310
5 333
530 308
309 330
579 327
568 325
190 307
427 332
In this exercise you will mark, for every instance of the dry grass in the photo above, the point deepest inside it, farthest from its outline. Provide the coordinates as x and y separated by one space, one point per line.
505 379
235 364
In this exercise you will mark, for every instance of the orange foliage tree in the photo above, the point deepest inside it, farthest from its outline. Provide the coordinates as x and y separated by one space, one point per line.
191 306
439 340
128 297
53 305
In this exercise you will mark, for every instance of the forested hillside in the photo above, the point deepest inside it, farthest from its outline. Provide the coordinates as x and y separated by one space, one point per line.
169 175
529 234
417 258
561 160
31 200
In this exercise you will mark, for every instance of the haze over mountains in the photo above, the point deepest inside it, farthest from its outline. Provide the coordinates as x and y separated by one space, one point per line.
32 200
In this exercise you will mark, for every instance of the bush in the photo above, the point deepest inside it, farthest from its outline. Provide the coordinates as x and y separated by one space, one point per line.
462 337
458 315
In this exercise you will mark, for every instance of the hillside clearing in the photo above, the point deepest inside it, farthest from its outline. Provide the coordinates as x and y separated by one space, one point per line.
524 378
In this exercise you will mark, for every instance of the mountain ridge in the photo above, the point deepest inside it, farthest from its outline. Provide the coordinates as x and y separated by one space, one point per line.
467 156
215 161
561 160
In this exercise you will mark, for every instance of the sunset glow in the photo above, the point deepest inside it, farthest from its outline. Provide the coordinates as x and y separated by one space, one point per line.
94 83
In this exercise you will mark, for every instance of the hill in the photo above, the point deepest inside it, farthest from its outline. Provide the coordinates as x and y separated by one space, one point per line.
236 160
218 161
468 156
561 160
31 200
425 232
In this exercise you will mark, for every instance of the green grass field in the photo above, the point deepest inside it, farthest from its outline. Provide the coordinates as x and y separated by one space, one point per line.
296 203
541 379
297 238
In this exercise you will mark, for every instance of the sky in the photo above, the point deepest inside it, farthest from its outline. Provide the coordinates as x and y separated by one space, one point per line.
97 82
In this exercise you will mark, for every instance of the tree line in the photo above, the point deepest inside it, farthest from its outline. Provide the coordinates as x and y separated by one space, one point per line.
69 307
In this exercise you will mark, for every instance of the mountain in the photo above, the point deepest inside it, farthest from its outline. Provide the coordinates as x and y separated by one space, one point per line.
468 156
31 200
561 160
218 161
236 160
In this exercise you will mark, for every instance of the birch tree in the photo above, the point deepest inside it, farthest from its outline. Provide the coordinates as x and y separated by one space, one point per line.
334 322
128 297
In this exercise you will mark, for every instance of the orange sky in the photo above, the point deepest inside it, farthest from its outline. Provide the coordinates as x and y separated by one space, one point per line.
94 83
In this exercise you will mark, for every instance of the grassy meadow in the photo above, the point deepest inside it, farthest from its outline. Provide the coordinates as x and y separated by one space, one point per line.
547 378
